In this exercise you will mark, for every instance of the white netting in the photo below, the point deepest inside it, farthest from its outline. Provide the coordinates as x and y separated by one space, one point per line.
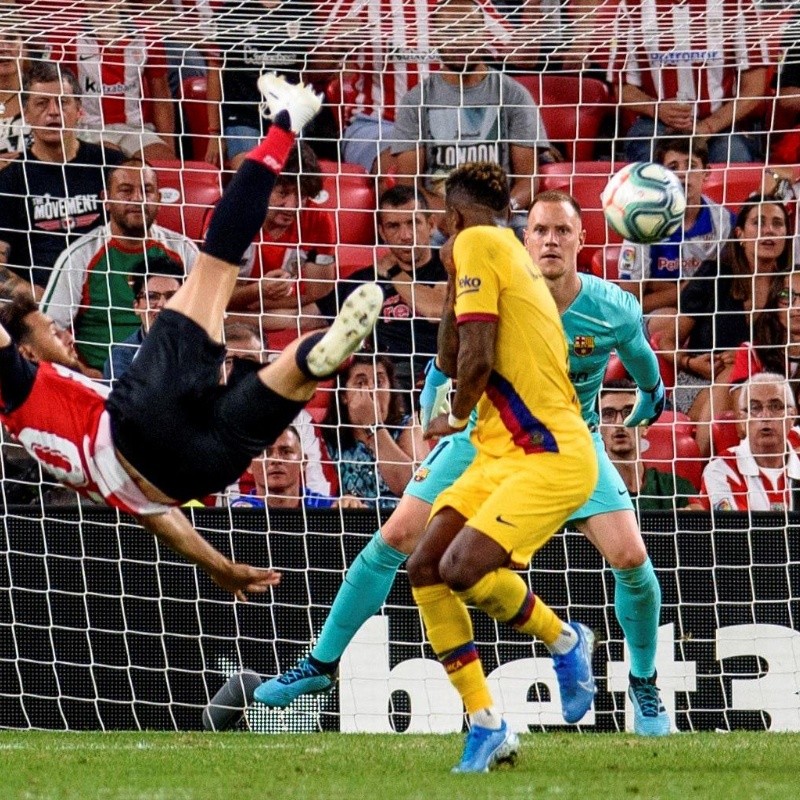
93 630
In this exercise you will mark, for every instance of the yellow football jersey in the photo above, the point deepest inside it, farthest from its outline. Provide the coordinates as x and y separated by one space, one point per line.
529 405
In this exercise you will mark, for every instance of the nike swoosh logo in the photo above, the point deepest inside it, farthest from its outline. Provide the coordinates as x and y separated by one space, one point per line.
502 521
621 491
587 686
85 58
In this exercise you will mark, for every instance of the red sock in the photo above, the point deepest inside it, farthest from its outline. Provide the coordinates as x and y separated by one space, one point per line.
274 149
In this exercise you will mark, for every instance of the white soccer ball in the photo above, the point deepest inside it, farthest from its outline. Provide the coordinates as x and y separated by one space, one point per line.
644 202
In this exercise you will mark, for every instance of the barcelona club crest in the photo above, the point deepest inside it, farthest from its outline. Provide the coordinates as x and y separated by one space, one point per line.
583 345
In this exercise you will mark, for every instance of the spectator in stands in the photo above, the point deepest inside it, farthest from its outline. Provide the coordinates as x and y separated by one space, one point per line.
243 349
652 272
649 488
152 285
52 192
718 306
691 69
467 112
279 481
90 286
762 471
413 281
373 443
13 63
292 264
775 346
254 36
119 63
388 52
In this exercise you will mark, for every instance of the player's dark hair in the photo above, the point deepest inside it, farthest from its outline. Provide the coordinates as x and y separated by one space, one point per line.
47 72
337 428
401 195
557 196
686 145
302 168
482 182
732 257
13 314
159 264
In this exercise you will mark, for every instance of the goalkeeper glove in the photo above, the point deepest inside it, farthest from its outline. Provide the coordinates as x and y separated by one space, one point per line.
434 397
649 405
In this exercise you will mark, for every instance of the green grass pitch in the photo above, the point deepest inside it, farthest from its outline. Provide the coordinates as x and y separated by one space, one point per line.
240 766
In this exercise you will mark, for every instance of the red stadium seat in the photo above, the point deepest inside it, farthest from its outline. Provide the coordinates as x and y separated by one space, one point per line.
665 366
671 449
353 257
195 112
585 181
724 433
732 184
605 262
572 108
189 190
349 191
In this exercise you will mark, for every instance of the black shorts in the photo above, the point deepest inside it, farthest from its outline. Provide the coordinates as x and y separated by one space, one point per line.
171 419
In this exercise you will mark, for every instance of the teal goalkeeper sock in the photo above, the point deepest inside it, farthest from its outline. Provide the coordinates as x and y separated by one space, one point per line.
637 602
364 590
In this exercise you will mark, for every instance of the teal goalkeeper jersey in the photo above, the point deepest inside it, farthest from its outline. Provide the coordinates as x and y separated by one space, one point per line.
602 319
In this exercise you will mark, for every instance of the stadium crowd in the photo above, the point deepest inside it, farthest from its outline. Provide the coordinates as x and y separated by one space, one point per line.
121 121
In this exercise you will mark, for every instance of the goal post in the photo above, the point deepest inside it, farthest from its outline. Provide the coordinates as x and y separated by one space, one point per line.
102 629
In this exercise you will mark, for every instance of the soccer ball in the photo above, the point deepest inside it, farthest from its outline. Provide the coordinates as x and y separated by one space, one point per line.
644 202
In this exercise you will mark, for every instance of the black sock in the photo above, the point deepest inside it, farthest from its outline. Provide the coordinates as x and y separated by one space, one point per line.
301 355
324 667
241 212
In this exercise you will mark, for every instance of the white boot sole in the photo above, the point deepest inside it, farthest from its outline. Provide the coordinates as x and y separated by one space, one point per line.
352 325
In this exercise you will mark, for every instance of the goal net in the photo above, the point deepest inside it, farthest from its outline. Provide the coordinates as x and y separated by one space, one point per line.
102 628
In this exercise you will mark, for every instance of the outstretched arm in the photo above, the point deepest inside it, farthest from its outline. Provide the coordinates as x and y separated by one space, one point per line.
638 358
175 530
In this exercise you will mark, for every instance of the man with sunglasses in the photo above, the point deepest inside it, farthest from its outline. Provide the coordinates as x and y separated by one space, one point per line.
89 290
151 291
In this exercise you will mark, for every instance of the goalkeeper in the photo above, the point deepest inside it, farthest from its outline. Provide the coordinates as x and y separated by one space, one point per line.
586 305
168 432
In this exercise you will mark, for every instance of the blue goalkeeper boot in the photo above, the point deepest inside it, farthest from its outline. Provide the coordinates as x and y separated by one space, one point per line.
650 718
304 678
574 672
486 748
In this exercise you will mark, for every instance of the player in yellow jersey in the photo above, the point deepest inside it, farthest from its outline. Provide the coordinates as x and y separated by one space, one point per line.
503 341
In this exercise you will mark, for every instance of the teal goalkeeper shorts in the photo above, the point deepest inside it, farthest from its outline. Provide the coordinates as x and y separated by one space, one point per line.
452 455
442 467
610 494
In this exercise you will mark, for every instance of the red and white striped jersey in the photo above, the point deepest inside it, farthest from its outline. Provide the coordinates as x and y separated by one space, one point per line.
688 51
112 75
64 425
395 50
734 481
